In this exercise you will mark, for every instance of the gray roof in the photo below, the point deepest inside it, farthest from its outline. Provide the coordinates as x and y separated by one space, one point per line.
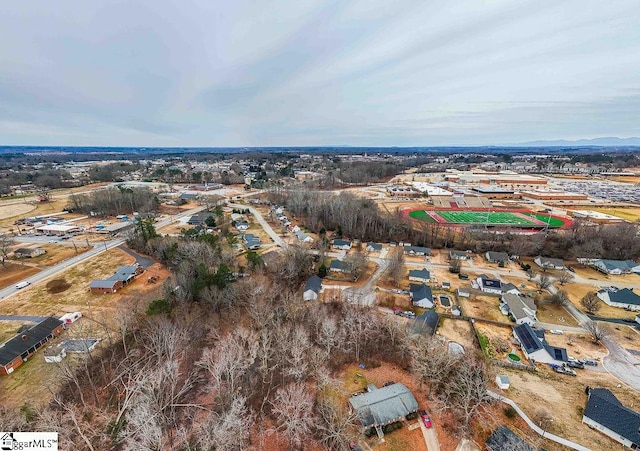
623 265
517 304
604 408
339 242
490 283
314 283
109 283
420 273
497 256
301 235
624 296
426 323
459 254
374 246
384 405
508 287
420 291
417 250
124 273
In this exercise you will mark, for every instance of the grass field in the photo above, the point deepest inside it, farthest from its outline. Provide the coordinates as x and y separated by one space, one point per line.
421 215
494 218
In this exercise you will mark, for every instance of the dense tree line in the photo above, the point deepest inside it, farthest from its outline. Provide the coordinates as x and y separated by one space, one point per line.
114 201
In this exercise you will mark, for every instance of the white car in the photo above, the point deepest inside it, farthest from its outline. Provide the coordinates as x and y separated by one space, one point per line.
556 332
22 285
53 241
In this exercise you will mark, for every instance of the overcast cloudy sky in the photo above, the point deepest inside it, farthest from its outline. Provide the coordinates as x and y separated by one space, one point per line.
302 72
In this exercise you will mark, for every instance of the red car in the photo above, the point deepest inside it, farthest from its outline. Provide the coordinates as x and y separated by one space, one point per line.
397 310
425 418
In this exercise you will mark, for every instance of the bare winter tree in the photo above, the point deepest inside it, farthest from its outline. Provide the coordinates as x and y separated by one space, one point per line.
293 410
565 277
531 274
226 430
466 393
293 266
598 331
5 244
559 298
358 260
431 363
336 423
329 335
395 265
543 282
591 302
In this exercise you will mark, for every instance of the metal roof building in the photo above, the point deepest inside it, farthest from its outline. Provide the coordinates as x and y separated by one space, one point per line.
383 406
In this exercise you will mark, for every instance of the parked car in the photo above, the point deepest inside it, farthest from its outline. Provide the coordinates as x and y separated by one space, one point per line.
409 314
575 364
563 369
463 276
397 310
425 418
591 362
569 268
556 332
386 384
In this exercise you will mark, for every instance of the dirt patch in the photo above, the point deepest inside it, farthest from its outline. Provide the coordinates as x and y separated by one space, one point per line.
459 331
11 211
12 273
58 286
554 314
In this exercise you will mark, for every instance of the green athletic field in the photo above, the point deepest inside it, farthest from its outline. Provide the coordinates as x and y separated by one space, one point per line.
494 218
421 215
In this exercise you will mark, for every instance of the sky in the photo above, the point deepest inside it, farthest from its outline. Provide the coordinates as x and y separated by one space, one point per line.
312 73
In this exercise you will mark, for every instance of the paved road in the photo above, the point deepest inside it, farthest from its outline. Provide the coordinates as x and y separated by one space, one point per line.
263 223
103 247
143 261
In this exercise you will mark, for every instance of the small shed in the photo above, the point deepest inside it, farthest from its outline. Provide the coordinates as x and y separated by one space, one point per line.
54 354
502 381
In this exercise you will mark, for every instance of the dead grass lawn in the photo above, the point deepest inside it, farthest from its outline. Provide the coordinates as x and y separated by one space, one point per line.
14 272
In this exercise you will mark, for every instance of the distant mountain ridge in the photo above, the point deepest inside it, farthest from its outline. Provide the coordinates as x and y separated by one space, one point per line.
596 142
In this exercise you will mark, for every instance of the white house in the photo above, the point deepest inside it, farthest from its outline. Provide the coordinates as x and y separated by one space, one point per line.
419 275
312 288
488 285
421 295
458 255
497 257
521 308
625 298
549 263
344 245
616 267
303 237
502 381
536 348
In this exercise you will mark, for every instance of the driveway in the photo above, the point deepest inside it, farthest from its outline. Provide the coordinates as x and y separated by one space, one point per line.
35 319
430 437
143 261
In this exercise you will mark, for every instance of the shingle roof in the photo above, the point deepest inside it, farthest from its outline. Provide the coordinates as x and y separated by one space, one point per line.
384 405
624 265
417 250
338 242
420 273
374 246
420 291
517 306
551 262
624 296
27 339
314 283
426 323
490 283
109 283
341 265
124 273
459 254
497 256
604 408
508 287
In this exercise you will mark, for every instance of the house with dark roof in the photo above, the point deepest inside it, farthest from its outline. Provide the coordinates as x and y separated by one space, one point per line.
105 286
241 226
417 250
421 295
426 324
251 241
340 266
123 276
606 414
312 288
549 263
382 406
344 245
625 298
458 255
503 439
616 267
23 345
374 247
303 237
497 257
536 348
199 219
488 285
522 309
419 275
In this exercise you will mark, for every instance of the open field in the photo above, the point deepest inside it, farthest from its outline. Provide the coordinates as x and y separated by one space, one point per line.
100 315
577 292
14 272
12 211
457 330
630 214
37 208
54 255
9 328
563 397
